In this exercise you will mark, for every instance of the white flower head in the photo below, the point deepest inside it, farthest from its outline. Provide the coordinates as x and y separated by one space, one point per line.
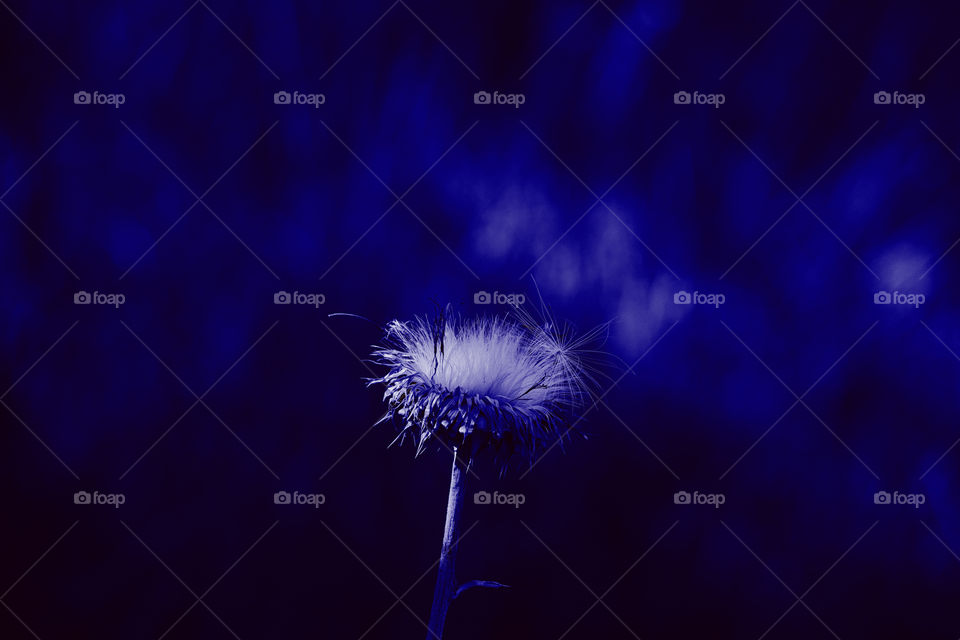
501 382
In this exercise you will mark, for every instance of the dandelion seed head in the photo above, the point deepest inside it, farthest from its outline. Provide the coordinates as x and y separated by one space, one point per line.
504 382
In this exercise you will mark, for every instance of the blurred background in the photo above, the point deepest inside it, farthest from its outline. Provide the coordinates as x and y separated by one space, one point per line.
760 199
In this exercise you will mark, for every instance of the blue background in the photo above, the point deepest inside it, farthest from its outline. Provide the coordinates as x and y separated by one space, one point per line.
294 198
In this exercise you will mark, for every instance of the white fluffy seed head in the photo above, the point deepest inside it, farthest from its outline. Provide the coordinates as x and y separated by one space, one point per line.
493 357
504 383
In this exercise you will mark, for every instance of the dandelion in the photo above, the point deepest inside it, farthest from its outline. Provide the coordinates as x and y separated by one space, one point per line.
502 384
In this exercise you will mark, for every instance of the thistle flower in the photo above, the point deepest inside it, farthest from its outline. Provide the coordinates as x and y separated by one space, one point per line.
507 384
503 383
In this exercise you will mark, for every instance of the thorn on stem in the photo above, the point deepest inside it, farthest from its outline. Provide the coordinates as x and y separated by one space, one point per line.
479 583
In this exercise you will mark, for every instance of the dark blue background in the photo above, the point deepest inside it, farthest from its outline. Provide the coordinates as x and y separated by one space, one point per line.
294 414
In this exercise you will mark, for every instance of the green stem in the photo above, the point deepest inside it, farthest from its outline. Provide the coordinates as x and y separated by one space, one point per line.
446 580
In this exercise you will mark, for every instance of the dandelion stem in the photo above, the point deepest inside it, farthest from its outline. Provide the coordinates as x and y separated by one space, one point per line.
446 580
